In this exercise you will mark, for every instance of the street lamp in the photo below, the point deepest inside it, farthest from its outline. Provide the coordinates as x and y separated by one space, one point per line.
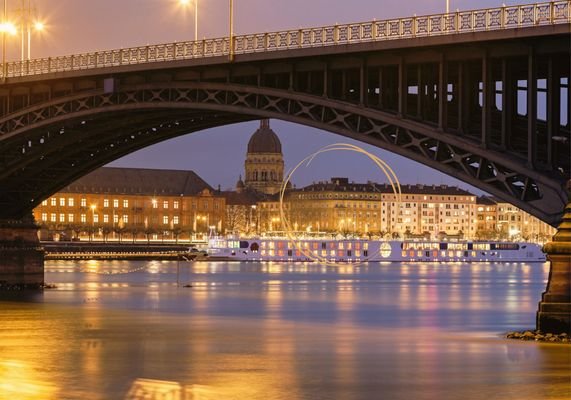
186 3
93 207
38 26
231 36
5 28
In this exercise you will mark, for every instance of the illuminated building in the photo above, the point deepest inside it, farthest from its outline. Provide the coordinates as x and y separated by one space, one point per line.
130 204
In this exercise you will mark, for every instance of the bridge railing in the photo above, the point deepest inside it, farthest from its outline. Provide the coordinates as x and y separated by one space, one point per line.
507 17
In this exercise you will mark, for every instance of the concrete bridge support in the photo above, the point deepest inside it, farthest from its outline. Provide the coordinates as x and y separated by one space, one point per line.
21 257
554 314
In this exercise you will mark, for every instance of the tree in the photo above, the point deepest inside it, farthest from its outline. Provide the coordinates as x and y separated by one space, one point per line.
120 230
176 231
148 232
105 231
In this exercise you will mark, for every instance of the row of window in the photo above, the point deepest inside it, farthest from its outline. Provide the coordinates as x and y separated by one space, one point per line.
365 196
53 217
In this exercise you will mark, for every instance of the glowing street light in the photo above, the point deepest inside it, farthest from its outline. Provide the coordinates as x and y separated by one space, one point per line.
186 3
38 27
5 28
93 208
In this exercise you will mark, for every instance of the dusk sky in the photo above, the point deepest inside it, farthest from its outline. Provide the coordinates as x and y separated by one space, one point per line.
217 155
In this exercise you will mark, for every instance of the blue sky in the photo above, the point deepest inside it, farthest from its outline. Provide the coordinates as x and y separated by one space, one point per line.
77 26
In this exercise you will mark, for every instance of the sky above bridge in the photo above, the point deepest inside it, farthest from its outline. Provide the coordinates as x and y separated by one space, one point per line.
78 26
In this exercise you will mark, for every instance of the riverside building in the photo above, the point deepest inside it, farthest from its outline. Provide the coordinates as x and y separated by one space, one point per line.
132 204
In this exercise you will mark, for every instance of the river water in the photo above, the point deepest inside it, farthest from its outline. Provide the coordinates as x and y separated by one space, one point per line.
125 330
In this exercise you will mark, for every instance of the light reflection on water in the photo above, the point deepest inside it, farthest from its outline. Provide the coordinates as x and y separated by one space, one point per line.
279 331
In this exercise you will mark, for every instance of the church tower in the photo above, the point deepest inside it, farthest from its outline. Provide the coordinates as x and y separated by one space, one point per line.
264 160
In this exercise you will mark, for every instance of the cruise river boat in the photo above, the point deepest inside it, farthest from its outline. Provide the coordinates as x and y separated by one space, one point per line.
362 250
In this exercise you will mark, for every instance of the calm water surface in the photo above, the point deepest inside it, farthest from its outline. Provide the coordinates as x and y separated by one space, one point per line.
124 330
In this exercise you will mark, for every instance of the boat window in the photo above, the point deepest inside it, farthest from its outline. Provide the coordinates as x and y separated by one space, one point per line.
244 244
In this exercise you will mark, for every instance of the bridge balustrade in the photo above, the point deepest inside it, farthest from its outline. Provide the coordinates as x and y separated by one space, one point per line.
507 17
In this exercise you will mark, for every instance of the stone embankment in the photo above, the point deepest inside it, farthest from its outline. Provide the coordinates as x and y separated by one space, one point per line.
540 337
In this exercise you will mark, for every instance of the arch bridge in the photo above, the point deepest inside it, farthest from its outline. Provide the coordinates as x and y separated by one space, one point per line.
480 95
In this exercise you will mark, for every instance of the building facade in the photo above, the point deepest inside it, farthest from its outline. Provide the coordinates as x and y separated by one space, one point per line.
132 204
374 209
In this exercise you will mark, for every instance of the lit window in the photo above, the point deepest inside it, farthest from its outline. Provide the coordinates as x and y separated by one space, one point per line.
62 218
53 201
83 202
165 204
175 205
125 219
71 202
95 218
83 218
44 203
175 220
70 217
53 218
165 219
115 203
125 203
105 203
105 218
62 202
44 217
155 203
115 218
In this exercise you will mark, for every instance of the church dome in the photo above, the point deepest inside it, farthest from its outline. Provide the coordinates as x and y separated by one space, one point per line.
264 140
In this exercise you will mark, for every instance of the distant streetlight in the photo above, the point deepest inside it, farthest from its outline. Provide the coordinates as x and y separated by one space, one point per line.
186 3
93 207
27 25
38 27
5 28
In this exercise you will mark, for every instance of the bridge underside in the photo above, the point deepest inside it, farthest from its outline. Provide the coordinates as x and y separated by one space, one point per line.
495 115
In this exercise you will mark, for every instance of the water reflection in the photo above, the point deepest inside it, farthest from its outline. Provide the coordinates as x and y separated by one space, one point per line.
279 331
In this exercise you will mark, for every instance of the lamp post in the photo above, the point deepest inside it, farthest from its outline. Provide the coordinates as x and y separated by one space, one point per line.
231 35
185 3
93 207
38 27
5 27
447 6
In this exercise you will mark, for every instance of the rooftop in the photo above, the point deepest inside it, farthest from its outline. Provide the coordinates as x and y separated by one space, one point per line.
264 140
343 185
138 181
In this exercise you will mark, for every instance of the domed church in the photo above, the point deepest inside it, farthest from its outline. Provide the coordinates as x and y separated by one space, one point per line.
264 160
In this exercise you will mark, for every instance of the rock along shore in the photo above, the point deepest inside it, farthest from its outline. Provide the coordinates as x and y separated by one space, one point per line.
540 337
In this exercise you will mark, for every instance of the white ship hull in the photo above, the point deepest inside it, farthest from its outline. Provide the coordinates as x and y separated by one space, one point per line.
358 251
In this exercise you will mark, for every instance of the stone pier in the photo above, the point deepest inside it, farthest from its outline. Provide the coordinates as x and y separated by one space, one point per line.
554 314
21 257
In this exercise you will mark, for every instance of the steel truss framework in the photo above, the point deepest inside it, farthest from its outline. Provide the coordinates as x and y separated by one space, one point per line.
47 146
452 102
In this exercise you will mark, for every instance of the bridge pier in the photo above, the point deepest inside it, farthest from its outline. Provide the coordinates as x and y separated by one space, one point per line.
554 314
21 257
